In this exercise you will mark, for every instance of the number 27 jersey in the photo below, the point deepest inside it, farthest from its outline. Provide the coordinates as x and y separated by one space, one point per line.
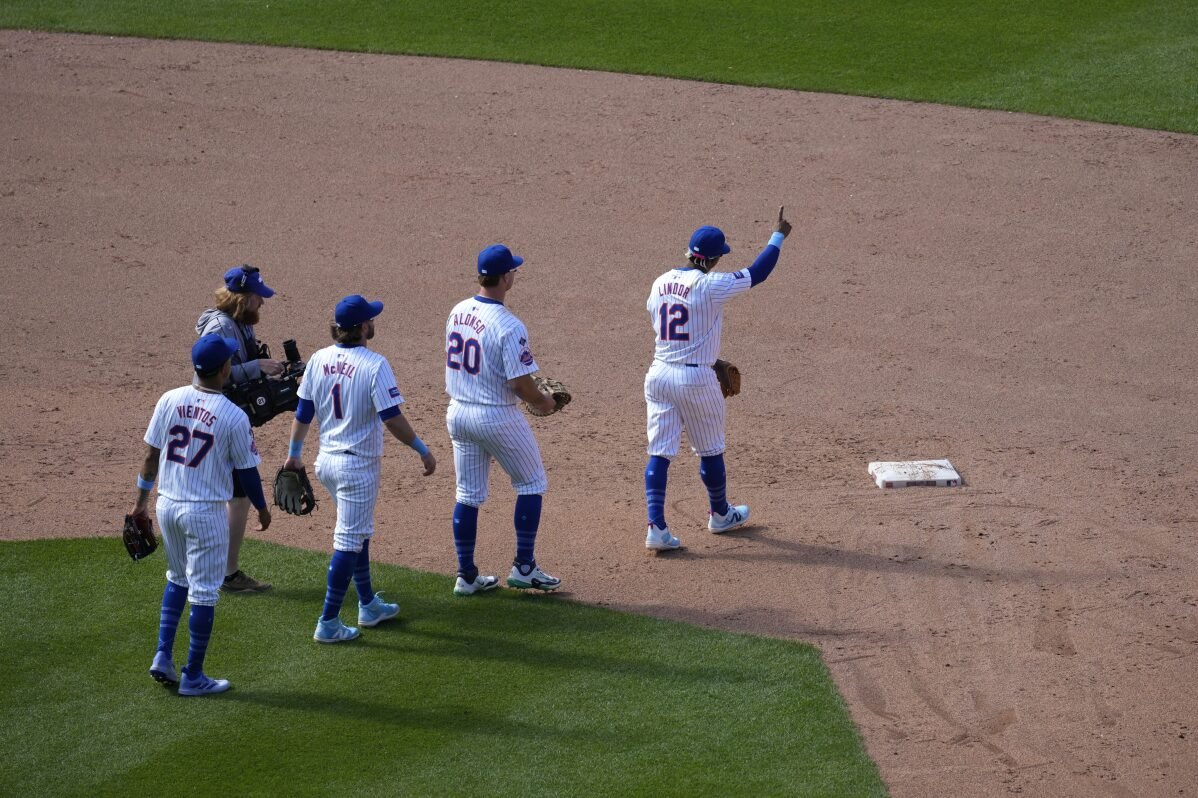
686 308
485 346
203 437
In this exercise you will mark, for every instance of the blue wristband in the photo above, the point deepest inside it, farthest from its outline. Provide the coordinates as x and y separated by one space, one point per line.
295 449
776 240
144 484
419 446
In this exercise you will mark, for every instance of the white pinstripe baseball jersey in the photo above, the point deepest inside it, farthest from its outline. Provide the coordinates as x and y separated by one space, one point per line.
485 346
686 308
350 386
203 437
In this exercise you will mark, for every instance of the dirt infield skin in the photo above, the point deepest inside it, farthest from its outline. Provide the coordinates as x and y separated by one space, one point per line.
1012 292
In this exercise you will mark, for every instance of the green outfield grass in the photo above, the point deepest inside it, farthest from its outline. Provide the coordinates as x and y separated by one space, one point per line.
1131 62
496 694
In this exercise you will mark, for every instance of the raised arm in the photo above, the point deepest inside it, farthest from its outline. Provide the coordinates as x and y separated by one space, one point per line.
768 259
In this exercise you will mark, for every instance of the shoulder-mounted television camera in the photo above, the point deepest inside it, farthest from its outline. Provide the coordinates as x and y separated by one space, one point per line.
266 397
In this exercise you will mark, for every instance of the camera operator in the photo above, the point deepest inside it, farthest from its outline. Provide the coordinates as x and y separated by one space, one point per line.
238 305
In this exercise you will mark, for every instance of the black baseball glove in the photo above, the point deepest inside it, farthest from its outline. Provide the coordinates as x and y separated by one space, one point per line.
139 537
293 492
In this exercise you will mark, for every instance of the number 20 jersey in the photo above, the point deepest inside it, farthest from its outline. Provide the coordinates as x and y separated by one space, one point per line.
485 346
203 437
686 308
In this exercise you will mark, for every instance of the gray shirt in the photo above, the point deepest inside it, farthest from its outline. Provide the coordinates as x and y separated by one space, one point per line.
245 359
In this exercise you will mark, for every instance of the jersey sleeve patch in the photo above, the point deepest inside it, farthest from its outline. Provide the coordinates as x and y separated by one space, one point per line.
526 357
740 275
393 393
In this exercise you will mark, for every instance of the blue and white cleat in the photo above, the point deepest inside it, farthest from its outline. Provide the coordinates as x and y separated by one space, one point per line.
481 584
737 516
163 669
333 631
201 685
376 611
660 539
530 576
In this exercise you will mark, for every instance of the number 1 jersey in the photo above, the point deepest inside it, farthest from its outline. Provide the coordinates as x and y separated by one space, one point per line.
350 386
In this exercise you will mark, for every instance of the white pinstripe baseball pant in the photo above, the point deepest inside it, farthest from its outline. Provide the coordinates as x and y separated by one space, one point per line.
481 432
196 538
678 396
353 482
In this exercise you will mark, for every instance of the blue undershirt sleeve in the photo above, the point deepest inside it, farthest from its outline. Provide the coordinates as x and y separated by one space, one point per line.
251 483
767 260
390 412
305 411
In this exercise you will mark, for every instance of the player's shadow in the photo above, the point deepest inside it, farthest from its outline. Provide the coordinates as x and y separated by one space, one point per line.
450 719
482 647
910 561
309 593
696 545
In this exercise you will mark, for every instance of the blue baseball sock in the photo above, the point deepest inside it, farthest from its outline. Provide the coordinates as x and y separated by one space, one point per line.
527 519
465 530
362 575
173 599
711 471
656 473
199 623
341 568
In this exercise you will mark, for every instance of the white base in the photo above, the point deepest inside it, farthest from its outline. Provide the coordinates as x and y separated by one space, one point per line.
915 473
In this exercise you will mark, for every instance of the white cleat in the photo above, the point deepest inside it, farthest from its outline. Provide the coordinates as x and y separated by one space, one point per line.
530 576
481 584
737 516
658 539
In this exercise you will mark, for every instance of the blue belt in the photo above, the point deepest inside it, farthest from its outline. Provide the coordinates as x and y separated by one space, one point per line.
691 365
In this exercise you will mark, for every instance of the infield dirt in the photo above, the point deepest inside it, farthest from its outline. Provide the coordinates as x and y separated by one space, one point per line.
1011 292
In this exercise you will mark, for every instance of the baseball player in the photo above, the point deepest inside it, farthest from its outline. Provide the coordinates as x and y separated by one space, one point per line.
197 440
238 308
352 392
488 368
686 309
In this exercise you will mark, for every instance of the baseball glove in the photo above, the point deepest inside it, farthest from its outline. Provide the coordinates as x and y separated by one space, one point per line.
139 537
555 388
293 492
729 377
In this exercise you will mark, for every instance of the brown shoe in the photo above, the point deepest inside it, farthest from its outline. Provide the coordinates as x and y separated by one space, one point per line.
241 582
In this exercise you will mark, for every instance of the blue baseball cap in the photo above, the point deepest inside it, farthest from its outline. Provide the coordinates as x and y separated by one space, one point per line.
497 259
355 309
246 279
708 242
211 352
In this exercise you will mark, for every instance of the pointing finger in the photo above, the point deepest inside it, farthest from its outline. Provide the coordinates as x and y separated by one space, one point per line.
781 208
